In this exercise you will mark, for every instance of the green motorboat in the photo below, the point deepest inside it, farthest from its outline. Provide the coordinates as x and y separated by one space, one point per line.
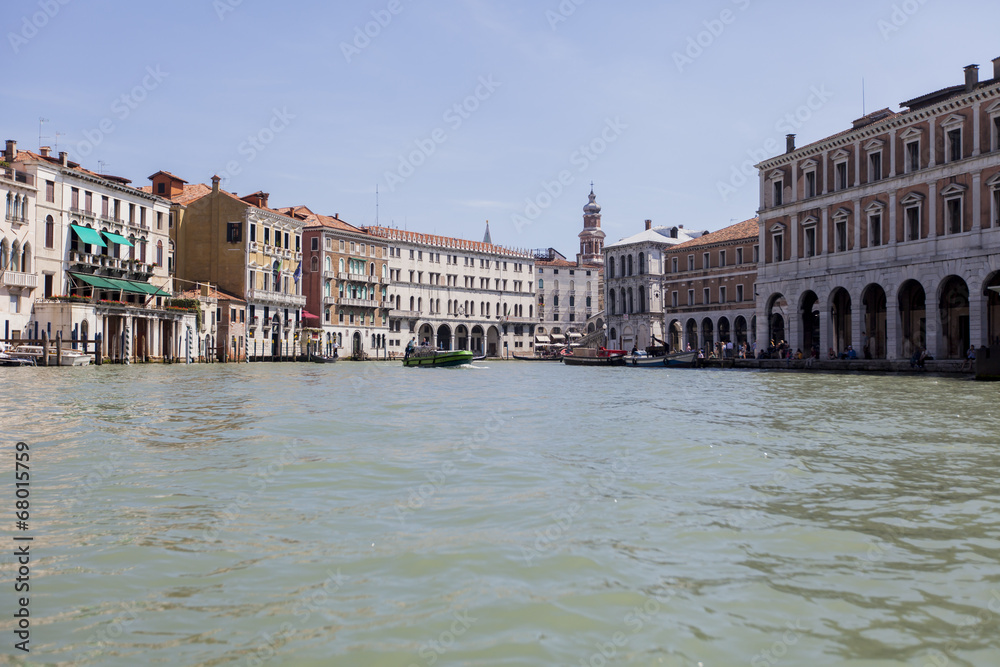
430 357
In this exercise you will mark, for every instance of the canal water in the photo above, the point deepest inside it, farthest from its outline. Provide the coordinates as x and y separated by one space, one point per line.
504 514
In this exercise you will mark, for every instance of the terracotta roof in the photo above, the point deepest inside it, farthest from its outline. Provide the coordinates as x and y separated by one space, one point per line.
559 263
445 242
213 293
191 193
741 231
75 166
166 173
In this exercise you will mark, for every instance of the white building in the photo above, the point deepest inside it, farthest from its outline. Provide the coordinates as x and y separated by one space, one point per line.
98 250
457 294
18 282
633 278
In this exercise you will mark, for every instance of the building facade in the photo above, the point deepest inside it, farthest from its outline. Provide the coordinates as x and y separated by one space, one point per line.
708 288
568 298
97 251
18 281
346 283
886 237
457 294
633 278
245 249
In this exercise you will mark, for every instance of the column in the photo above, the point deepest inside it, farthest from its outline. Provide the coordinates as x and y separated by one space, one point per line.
977 199
892 342
932 210
825 170
976 130
857 224
892 154
977 316
857 163
793 240
858 323
933 147
825 332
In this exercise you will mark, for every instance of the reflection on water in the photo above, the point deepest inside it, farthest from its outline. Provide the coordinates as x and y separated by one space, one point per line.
508 514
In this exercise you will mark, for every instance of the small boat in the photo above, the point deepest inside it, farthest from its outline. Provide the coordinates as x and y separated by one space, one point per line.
425 356
590 357
549 357
7 360
676 360
322 359
67 357
481 357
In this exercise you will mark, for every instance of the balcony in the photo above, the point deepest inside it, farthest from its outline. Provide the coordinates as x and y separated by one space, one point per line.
276 298
330 275
18 176
16 279
255 322
254 247
404 314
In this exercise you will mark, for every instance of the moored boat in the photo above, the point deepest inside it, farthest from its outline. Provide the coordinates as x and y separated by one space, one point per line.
423 356
322 359
67 357
550 357
676 360
590 357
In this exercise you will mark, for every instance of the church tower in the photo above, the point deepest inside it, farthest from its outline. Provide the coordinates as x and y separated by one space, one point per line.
592 237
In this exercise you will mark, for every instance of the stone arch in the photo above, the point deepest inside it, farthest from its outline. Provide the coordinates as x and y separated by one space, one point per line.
809 309
874 334
777 316
443 337
912 299
675 335
691 333
840 319
991 327
955 332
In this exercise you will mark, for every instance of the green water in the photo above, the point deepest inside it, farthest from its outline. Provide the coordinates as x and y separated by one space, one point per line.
504 514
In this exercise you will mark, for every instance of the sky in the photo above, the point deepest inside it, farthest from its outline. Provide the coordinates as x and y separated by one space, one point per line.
463 111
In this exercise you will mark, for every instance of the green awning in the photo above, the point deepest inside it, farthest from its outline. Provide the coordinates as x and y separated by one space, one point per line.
89 236
96 281
136 287
120 240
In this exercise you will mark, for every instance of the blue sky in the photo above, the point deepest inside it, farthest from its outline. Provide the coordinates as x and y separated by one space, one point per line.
466 110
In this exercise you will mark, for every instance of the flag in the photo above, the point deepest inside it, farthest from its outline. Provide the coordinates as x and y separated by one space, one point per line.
298 273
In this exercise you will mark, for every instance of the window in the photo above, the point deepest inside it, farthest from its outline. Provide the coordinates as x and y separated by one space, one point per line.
996 207
673 265
840 234
779 247
840 175
690 297
75 198
50 232
778 189
642 264
810 184
315 243
159 219
756 254
673 299
912 223
690 262
996 133
953 215
105 206
722 258
159 253
706 296
739 292
954 145
234 232
161 188
875 230
810 239
739 255
875 167
50 191
706 261
912 156
267 236
722 294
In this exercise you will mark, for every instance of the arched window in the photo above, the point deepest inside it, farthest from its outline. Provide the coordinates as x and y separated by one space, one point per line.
159 253
642 299
50 232
371 269
341 264
623 305
327 286
621 266
4 255
15 256
629 264
611 302
611 268
541 284
328 320
631 302
412 301
385 271
26 258
314 263
327 264
142 250
642 263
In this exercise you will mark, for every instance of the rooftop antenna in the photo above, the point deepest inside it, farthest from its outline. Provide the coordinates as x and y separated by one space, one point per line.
101 164
376 204
864 108
40 137
59 134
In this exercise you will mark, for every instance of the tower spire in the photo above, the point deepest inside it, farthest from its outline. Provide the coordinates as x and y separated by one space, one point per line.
486 237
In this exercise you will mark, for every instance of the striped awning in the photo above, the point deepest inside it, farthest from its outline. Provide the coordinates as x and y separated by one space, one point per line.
542 339
558 338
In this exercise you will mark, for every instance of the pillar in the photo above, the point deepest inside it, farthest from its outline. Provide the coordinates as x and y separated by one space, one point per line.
978 326
893 344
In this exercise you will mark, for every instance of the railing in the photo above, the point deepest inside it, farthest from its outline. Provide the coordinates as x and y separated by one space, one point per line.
291 300
359 303
255 321
17 279
404 314
254 247
19 176
17 220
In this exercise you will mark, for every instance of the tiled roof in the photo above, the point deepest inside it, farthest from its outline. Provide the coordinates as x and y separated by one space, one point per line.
213 293
75 166
166 173
741 231
558 263
191 193
445 242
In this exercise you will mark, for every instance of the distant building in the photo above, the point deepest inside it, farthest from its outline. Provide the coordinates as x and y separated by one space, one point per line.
223 324
457 294
244 248
346 283
708 288
886 237
633 274
86 255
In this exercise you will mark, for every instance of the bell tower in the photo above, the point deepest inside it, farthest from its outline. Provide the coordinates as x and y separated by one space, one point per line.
592 236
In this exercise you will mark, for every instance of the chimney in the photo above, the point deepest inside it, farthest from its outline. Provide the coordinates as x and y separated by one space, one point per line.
649 225
64 158
45 150
215 185
971 77
204 290
10 154
789 143
996 69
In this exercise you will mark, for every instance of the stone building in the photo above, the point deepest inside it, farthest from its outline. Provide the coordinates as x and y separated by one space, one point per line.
708 288
346 283
633 278
886 236
244 248
89 258
18 282
457 294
